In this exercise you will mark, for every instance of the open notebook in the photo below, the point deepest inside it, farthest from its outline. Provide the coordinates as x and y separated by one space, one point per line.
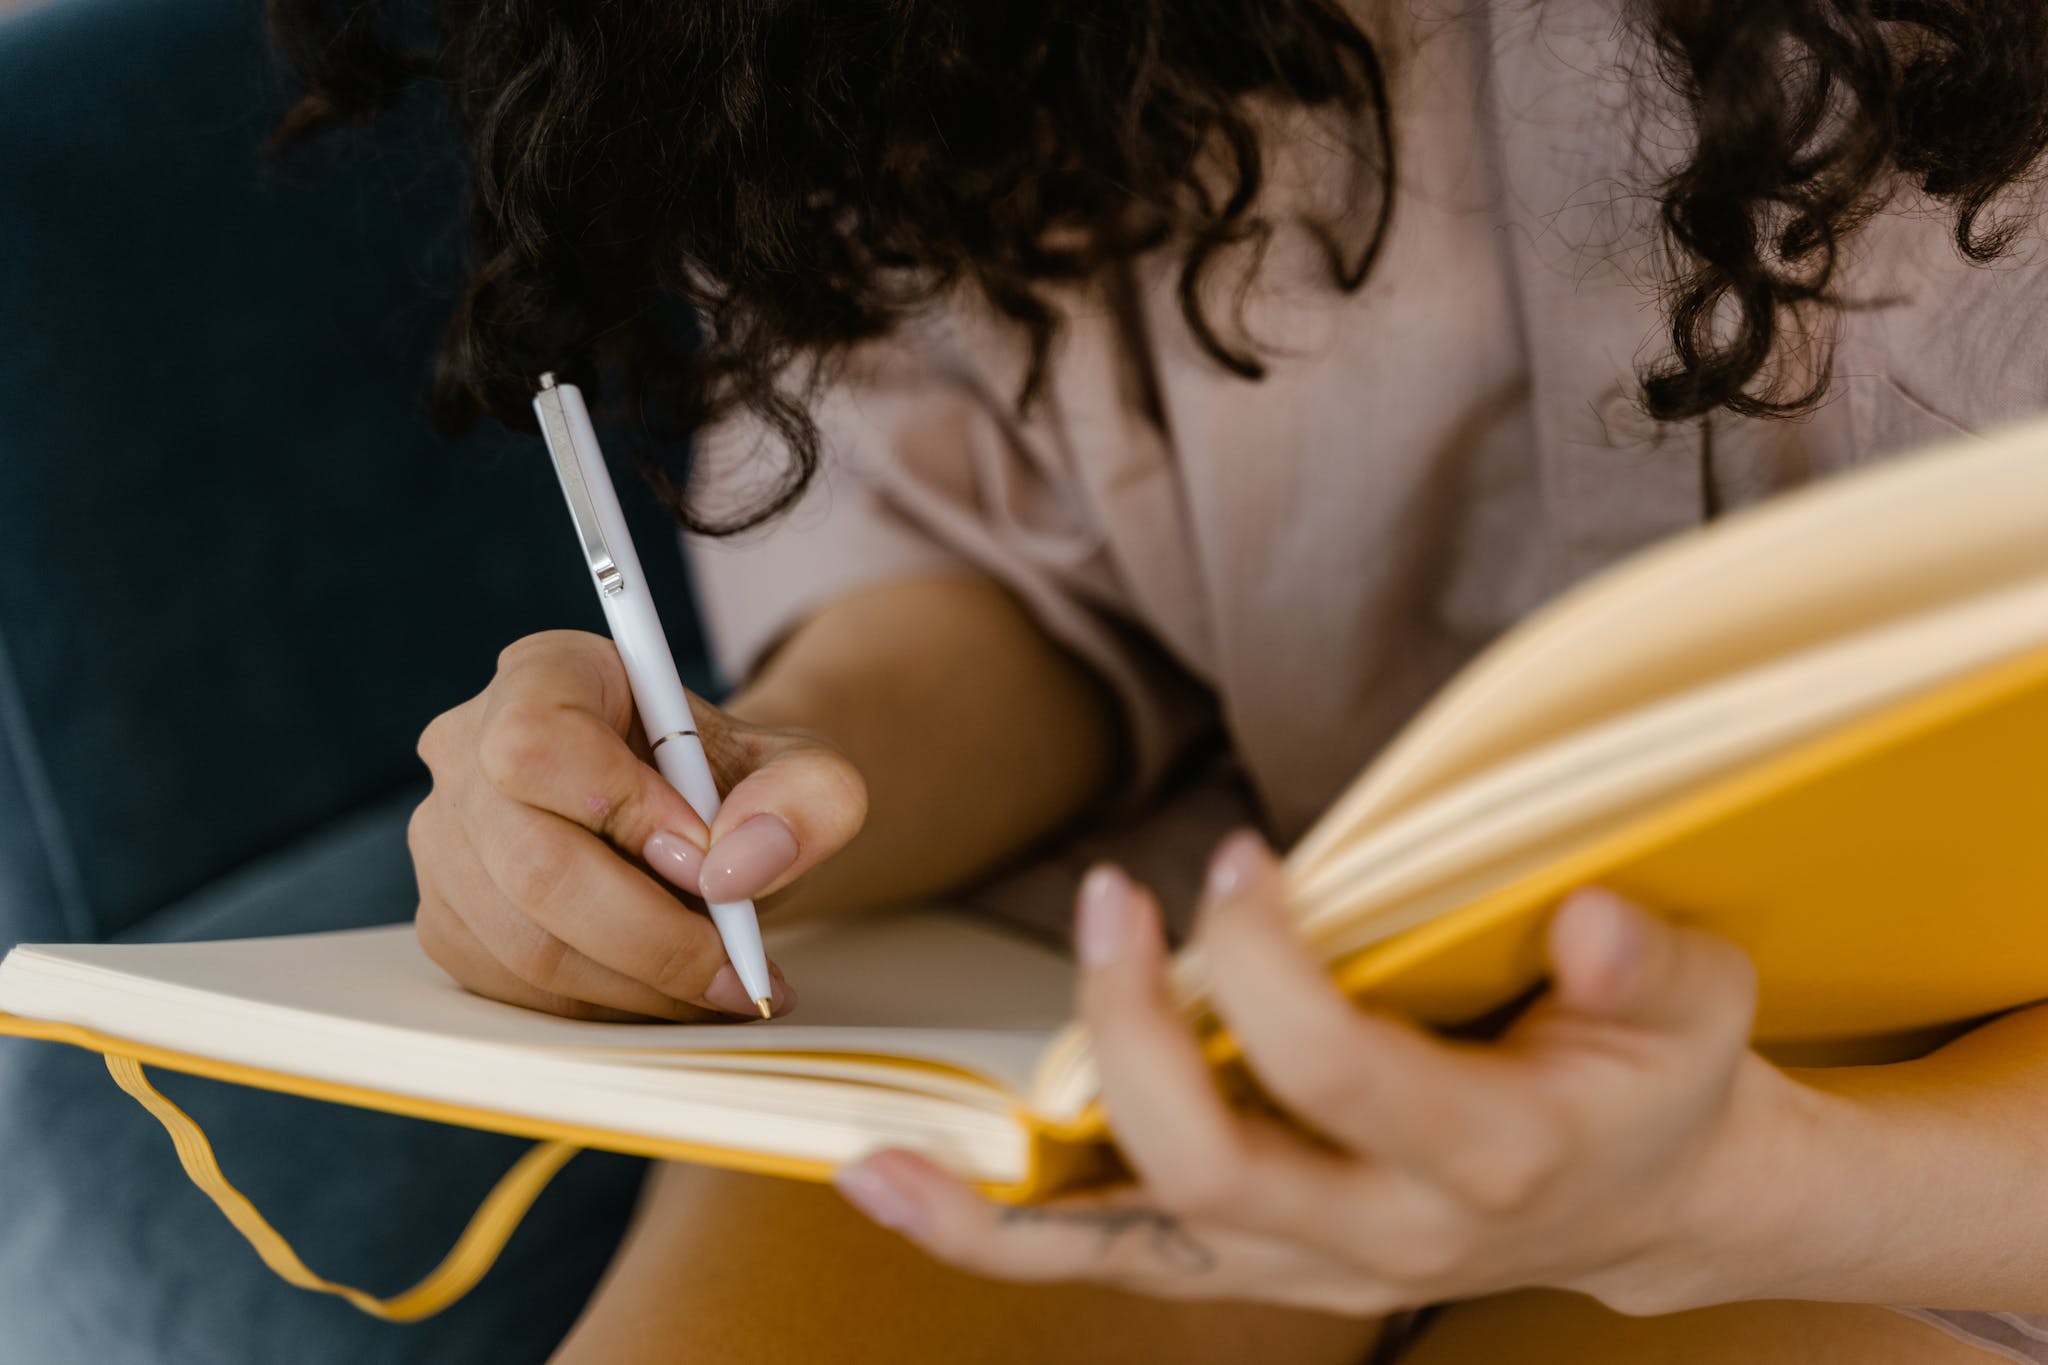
1819 727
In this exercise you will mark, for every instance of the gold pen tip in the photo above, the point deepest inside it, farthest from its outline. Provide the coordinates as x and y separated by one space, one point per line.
761 1004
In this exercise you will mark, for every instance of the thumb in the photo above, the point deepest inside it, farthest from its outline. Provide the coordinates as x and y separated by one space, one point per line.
1613 960
797 801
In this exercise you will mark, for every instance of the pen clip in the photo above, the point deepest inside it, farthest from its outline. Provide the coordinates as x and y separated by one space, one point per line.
561 441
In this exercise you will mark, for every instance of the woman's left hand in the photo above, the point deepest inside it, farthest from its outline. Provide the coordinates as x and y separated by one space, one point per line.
1607 1143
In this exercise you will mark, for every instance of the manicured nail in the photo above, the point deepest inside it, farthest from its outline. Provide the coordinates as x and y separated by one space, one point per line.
747 859
1102 918
726 993
677 859
1240 858
875 1195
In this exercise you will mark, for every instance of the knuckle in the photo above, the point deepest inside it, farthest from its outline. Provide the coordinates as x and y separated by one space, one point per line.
537 959
516 653
430 926
518 743
676 966
417 838
510 655
1512 1172
543 643
427 928
441 737
1497 1184
535 870
429 744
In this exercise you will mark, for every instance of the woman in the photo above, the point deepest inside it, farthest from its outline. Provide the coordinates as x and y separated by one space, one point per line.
1086 388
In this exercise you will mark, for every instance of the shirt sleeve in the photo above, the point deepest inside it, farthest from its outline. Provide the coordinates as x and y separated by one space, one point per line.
836 540
924 470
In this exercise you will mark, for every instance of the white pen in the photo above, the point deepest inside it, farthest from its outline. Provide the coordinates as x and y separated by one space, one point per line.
636 630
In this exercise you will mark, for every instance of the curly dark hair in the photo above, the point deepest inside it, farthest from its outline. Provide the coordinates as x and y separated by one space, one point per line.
799 177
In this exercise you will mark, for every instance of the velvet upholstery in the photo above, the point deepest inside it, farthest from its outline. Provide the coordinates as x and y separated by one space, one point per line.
238 574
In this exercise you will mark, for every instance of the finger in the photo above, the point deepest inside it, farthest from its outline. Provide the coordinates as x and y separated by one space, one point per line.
1169 1118
1119 1239
1370 1082
1444 1121
1614 961
553 735
1073 1240
799 802
456 950
578 889
460 886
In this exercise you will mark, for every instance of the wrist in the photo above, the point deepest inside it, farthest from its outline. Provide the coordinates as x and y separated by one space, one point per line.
1759 1210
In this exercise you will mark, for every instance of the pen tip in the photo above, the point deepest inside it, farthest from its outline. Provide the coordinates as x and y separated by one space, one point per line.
761 1004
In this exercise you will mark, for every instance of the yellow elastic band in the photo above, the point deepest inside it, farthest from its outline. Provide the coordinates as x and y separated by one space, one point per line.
473 1253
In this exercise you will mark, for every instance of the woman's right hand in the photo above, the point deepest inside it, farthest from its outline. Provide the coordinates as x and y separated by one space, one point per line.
552 855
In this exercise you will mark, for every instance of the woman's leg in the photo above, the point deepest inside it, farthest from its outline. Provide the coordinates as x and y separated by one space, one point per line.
1541 1328
723 1269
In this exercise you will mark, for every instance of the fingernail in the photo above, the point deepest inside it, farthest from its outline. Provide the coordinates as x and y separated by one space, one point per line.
747 859
675 858
726 993
1102 916
1616 928
875 1195
1240 858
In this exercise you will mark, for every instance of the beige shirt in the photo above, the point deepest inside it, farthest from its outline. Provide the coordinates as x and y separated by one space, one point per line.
1302 560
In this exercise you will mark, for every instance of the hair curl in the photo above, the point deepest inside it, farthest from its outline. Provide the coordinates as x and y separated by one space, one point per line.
799 177
1810 114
